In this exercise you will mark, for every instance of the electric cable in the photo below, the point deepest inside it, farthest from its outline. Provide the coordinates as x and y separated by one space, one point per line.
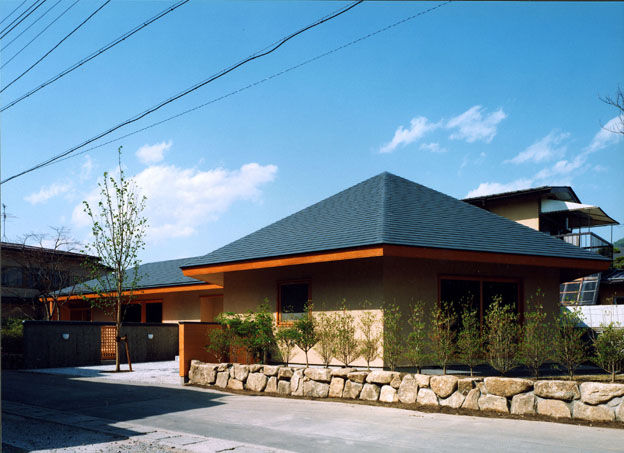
22 20
18 17
95 54
183 93
31 24
54 48
39 34
11 13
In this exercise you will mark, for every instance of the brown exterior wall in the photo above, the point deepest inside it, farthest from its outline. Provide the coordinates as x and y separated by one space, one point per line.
525 212
608 293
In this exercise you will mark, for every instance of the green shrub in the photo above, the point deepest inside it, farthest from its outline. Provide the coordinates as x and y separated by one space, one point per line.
219 343
502 329
570 350
370 341
469 339
535 338
416 353
442 334
347 346
12 333
306 331
609 347
392 340
286 338
326 336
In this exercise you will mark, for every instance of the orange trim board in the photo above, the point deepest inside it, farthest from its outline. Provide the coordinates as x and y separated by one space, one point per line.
400 251
164 289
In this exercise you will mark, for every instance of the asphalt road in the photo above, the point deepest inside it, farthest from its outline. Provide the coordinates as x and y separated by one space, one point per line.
206 420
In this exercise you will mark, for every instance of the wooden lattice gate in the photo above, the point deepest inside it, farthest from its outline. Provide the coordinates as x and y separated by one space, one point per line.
108 343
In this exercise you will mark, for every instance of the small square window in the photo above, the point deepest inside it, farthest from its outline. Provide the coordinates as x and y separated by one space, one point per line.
293 298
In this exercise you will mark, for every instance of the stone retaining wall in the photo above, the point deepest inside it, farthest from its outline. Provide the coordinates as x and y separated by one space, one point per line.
592 401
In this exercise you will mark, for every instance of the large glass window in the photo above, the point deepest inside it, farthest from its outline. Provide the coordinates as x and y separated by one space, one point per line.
153 312
12 277
132 313
293 298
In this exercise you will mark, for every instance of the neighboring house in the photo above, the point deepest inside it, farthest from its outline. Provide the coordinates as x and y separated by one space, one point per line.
162 294
388 239
28 271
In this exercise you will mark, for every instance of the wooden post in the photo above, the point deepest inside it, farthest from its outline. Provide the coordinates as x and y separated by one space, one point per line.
125 340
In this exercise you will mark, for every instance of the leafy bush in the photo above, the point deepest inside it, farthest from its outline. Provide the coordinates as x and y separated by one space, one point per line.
12 336
392 340
609 347
370 342
536 337
306 331
326 336
570 350
442 334
469 339
416 353
219 343
286 338
347 346
502 329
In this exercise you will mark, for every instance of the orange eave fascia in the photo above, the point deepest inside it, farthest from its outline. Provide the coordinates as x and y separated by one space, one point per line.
399 251
147 291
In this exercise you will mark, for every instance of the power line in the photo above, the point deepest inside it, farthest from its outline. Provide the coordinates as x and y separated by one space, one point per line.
22 20
39 34
184 93
11 13
58 44
95 54
254 84
32 23
18 17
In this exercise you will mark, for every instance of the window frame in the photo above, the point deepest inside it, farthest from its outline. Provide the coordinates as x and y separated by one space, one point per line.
278 306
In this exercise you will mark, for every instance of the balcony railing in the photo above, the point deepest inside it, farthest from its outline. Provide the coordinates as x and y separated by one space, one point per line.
589 241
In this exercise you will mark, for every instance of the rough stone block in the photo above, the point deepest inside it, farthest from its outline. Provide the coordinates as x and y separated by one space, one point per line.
352 390
222 379
388 394
222 367
270 370
408 390
422 379
619 412
296 383
235 384
507 387
523 404
256 382
443 386
466 384
336 386
284 373
315 389
427 397
454 401
255 368
493 403
380 377
599 413
370 392
557 390
318 374
342 372
202 373
553 408
472 400
358 376
283 387
271 386
240 372
597 392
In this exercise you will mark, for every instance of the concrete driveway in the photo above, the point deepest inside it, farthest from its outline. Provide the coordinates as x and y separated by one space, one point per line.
157 417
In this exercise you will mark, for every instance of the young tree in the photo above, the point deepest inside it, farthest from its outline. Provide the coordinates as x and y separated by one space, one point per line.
118 229
416 353
286 338
469 339
326 335
220 341
502 329
570 350
393 347
442 334
535 338
347 346
306 331
369 328
609 346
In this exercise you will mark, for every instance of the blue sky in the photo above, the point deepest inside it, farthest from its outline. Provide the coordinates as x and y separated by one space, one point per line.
468 99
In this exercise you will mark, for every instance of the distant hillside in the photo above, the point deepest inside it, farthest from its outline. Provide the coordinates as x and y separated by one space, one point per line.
619 243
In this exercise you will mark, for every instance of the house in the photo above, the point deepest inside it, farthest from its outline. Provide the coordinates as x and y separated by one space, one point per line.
30 271
388 239
162 295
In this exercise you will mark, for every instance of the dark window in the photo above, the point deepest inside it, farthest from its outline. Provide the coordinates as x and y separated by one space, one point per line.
153 312
12 277
618 300
292 300
132 313
507 292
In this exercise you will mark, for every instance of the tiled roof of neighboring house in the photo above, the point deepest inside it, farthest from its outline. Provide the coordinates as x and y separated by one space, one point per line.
151 275
613 276
564 193
388 209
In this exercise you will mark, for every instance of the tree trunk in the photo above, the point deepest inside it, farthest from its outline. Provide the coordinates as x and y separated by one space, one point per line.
117 333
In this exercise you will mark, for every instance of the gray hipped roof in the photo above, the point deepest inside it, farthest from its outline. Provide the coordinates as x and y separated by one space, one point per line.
388 209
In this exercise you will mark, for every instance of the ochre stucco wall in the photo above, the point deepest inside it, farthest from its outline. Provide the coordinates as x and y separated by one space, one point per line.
524 212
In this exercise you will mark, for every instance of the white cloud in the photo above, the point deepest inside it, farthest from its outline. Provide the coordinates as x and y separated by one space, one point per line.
433 147
488 188
545 149
419 126
472 126
86 168
47 192
151 154
605 137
